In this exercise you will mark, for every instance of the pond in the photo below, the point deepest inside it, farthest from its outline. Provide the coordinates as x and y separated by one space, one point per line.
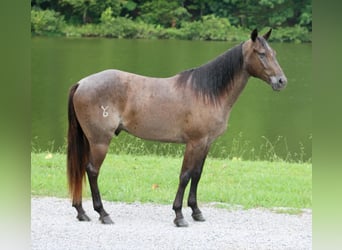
263 124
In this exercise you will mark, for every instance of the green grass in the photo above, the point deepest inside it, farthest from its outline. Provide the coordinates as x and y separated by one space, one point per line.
273 150
130 178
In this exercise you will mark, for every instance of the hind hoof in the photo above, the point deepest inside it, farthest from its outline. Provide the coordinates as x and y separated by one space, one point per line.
83 217
106 220
180 222
198 217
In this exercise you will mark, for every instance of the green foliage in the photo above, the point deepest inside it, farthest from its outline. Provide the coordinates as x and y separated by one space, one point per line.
264 13
107 16
305 18
211 27
192 30
89 11
163 12
277 20
226 20
46 21
79 7
294 34
119 27
214 28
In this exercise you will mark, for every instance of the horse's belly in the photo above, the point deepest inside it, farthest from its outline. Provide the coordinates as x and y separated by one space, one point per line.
155 132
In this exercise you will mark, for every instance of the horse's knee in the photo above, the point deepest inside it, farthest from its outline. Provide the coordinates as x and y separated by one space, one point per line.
196 175
98 153
92 172
184 179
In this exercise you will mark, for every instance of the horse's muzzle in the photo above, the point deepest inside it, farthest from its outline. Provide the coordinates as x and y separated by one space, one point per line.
278 82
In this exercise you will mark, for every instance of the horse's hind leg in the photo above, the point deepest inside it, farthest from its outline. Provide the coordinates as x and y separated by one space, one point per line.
81 215
97 154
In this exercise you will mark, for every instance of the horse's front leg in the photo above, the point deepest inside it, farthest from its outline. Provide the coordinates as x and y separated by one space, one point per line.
192 200
193 161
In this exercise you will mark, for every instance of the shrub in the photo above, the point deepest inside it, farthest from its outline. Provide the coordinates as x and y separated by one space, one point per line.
119 27
146 31
173 33
295 34
215 28
107 16
46 21
212 28
192 30
89 30
165 13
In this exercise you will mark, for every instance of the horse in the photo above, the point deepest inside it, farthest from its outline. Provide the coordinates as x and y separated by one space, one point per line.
191 108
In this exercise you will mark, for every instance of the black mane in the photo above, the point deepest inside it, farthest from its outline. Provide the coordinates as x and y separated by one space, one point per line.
211 79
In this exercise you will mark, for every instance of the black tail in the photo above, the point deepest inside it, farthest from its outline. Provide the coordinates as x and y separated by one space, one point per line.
77 151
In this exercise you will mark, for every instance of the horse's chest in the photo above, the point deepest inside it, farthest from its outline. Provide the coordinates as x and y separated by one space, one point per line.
217 128
207 124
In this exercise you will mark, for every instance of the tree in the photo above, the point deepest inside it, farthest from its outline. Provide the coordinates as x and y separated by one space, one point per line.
89 11
198 8
79 7
163 12
248 14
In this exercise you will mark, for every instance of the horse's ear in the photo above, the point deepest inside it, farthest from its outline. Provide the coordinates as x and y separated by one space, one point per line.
254 34
267 35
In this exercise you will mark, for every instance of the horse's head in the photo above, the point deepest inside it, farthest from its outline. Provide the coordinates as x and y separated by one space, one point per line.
260 61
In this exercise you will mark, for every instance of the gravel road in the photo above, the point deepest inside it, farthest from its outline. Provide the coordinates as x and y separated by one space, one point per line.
149 226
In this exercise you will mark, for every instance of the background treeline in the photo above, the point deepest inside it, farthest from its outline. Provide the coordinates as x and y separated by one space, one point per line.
178 19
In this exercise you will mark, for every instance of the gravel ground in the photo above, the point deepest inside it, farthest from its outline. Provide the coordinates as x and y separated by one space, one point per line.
149 226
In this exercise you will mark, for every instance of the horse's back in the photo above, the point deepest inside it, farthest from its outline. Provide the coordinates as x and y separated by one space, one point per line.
98 79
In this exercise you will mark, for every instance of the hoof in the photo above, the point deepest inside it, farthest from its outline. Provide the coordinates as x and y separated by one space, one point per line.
180 222
83 217
198 217
106 220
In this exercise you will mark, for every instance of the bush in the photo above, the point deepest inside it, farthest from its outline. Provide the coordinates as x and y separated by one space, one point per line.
165 13
212 28
118 27
146 31
192 30
46 21
89 30
215 28
173 33
294 34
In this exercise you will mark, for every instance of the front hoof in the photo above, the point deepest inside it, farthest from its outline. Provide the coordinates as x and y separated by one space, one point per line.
180 222
198 217
83 217
106 220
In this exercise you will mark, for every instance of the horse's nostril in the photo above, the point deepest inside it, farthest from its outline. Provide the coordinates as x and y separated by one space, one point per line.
282 80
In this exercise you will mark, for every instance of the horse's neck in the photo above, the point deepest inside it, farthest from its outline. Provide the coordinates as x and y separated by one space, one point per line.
235 90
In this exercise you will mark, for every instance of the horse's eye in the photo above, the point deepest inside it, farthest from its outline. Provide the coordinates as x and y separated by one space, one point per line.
262 55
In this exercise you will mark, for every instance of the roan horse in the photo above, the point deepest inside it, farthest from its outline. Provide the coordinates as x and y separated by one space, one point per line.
191 107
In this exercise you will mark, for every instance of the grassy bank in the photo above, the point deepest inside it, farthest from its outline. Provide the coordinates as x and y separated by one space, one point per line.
130 178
